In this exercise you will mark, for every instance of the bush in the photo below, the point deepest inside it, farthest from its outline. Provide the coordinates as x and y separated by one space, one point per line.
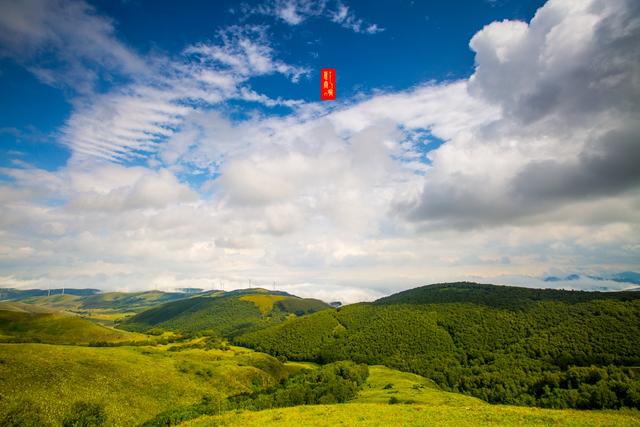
23 414
85 414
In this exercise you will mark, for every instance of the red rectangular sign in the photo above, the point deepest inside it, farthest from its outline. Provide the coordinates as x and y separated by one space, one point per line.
328 84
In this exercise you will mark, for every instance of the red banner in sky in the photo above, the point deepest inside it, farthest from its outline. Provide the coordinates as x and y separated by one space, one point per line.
328 84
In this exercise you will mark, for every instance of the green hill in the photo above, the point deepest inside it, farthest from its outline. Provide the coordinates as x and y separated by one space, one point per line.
30 323
226 314
105 308
114 301
130 301
506 297
557 349
7 294
42 382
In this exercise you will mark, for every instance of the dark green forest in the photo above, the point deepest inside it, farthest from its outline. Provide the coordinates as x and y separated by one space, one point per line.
549 348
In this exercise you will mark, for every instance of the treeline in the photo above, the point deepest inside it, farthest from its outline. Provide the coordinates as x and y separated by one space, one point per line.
508 297
568 354
332 383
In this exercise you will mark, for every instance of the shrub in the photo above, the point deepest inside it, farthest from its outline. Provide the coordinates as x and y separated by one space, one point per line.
85 414
23 414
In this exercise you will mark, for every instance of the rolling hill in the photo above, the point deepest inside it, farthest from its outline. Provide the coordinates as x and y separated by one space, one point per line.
21 322
114 301
227 314
502 344
40 383
102 307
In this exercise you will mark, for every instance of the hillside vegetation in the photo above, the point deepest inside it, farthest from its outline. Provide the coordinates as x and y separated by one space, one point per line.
105 308
556 349
133 384
227 314
29 323
390 398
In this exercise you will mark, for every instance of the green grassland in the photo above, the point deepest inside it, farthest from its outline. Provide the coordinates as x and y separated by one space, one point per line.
419 403
134 383
30 323
370 414
263 302
386 383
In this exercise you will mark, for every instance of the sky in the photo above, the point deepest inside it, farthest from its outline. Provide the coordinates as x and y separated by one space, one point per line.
164 145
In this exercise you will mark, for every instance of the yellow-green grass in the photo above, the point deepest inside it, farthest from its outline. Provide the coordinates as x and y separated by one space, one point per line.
30 323
376 414
104 316
302 365
58 301
384 383
20 307
134 383
263 302
72 304
430 406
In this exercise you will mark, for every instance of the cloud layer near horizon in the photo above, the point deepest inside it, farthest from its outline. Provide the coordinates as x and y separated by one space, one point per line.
528 167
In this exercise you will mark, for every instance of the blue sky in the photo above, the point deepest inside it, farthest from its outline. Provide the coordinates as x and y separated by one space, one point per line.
421 41
183 145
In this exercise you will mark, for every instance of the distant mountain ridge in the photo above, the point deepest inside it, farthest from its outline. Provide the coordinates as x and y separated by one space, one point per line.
7 294
497 296
623 277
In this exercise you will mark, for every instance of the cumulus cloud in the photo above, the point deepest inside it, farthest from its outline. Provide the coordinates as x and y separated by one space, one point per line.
567 87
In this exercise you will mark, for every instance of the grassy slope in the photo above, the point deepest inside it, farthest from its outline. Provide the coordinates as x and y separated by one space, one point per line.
134 383
369 414
29 323
263 302
431 407
58 302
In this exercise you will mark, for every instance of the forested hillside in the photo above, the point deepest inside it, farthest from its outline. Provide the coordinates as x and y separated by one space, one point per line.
226 314
502 344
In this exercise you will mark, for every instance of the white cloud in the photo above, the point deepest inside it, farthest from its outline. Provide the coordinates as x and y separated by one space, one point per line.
131 122
295 12
534 173
345 18
83 42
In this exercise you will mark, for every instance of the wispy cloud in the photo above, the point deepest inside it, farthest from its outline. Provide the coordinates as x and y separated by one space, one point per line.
79 46
130 121
347 19
295 12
